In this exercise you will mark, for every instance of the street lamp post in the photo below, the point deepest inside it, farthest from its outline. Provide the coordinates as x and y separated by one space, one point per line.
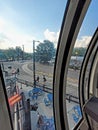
34 62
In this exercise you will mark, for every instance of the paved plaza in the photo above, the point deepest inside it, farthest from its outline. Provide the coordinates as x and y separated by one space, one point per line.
26 74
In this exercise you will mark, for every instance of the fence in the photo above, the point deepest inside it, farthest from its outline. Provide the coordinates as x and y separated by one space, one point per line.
39 85
72 98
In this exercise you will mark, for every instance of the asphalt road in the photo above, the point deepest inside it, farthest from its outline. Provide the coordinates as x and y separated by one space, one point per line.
26 73
48 70
26 68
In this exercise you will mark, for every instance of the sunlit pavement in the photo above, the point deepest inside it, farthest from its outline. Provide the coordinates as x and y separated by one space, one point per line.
72 89
46 110
42 108
70 112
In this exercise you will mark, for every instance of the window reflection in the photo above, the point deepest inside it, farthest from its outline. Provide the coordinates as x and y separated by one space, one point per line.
72 98
72 93
90 89
30 102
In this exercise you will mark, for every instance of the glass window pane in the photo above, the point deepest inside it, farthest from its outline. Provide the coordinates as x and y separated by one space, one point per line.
29 32
72 93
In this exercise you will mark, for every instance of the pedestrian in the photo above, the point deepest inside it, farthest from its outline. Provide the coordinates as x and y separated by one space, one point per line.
37 79
44 78
40 123
18 71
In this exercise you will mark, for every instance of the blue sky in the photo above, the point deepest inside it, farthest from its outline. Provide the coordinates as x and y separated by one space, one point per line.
90 22
21 21
32 15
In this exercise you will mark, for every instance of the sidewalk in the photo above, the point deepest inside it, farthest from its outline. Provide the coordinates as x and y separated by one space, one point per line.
42 109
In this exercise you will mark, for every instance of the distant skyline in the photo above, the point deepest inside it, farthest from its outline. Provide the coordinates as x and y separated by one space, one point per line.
22 21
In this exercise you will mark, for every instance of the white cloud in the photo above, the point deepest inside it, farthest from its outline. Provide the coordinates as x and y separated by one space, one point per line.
83 41
10 36
51 36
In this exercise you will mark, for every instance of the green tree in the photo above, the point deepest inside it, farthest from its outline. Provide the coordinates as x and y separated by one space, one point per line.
45 51
14 54
19 53
79 51
2 55
10 53
27 56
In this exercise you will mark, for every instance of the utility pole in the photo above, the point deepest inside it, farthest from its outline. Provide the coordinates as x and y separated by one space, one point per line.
23 52
34 63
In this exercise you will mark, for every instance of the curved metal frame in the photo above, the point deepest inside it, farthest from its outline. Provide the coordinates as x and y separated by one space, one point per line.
94 75
89 51
4 107
94 68
72 21
84 66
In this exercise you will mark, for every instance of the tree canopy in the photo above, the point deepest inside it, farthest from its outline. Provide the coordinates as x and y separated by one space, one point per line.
14 54
45 51
79 51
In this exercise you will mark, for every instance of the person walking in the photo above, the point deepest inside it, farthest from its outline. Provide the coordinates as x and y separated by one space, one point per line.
37 79
44 79
18 71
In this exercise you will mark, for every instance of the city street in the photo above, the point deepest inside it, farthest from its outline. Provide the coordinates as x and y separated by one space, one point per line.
26 68
26 74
